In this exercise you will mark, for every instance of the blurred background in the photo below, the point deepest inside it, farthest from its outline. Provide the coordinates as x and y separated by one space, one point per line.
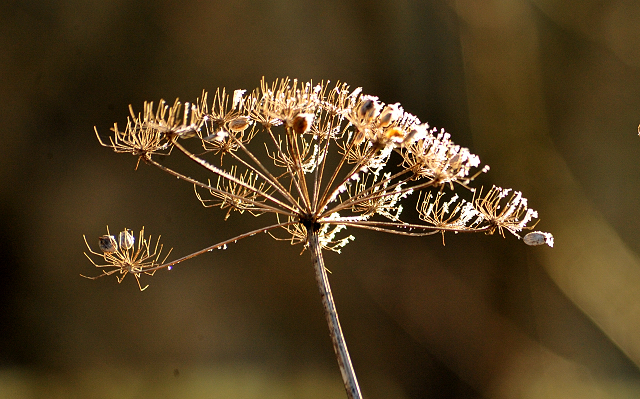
546 92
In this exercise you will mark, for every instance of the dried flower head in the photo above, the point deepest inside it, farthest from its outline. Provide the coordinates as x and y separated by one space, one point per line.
331 151
319 160
124 258
499 214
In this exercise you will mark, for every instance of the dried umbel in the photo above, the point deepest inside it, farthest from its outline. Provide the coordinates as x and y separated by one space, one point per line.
319 160
123 258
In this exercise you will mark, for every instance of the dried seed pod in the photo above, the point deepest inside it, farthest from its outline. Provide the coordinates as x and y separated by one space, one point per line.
126 239
416 132
536 238
390 114
107 244
368 108
239 124
302 123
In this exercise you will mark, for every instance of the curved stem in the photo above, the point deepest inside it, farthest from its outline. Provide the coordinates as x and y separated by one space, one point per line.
221 244
331 314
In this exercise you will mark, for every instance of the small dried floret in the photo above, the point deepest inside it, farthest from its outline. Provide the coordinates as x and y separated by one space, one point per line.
455 214
512 215
436 157
223 142
306 158
372 197
167 119
236 195
127 259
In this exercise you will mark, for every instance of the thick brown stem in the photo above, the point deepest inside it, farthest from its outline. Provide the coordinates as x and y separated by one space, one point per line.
335 331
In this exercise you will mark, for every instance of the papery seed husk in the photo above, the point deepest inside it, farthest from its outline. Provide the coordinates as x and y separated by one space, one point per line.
302 123
366 109
107 244
126 239
239 124
536 238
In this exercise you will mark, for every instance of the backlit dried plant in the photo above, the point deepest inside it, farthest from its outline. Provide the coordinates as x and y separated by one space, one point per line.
122 257
320 159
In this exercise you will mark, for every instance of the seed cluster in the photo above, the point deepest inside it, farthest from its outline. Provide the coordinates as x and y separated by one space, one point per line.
321 157
122 257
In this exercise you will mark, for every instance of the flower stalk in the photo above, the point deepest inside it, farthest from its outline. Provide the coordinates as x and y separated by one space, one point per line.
331 314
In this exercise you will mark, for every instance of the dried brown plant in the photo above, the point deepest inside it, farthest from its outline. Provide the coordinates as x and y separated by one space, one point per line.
327 159
123 257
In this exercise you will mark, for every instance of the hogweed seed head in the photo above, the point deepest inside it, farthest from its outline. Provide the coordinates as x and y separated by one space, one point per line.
326 160
323 158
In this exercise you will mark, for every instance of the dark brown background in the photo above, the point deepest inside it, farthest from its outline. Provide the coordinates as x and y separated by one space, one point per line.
547 92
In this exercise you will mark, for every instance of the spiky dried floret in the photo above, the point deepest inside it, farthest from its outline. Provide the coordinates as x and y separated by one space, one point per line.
227 140
437 158
307 157
454 213
372 197
125 258
504 209
229 194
